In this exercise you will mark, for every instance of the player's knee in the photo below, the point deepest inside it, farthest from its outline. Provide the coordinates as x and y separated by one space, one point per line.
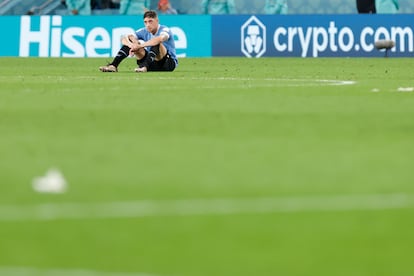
140 54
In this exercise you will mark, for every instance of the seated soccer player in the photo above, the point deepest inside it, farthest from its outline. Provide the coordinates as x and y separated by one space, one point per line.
153 46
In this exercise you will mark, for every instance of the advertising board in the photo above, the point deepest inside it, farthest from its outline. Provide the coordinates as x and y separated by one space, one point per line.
213 35
95 36
311 35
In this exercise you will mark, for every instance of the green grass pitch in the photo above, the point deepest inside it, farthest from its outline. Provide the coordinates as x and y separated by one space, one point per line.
225 167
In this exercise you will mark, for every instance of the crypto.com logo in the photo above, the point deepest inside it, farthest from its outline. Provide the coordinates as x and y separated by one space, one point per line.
253 38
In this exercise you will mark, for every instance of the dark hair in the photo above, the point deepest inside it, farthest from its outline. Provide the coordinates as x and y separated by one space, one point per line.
150 14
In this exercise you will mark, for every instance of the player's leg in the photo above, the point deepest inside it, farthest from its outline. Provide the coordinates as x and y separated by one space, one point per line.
113 66
162 52
128 41
155 53
168 64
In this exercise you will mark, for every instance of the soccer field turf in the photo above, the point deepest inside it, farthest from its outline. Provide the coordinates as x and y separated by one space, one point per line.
227 166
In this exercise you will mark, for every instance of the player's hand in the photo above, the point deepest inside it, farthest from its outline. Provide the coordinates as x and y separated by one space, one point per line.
129 40
134 49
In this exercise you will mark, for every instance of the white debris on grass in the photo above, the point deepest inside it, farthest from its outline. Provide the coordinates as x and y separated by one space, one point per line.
52 182
405 89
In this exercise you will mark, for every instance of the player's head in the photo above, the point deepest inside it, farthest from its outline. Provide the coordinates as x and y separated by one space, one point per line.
151 21
150 14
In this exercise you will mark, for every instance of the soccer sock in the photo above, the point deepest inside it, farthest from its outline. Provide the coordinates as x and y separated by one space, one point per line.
153 52
122 54
150 58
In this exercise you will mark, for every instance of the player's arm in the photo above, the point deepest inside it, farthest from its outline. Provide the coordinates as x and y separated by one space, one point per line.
129 40
164 36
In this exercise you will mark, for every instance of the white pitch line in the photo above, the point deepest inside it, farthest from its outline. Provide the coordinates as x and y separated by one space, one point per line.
295 81
337 82
30 271
287 81
200 207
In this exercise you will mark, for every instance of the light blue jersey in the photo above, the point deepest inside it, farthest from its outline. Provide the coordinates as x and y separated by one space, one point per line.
144 34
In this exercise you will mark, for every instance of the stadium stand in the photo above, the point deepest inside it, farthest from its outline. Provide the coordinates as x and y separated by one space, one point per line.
31 7
41 7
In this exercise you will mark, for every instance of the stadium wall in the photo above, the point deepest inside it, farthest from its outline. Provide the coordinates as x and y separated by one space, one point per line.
206 36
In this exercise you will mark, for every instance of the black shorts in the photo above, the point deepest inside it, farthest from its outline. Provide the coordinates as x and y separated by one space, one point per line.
165 64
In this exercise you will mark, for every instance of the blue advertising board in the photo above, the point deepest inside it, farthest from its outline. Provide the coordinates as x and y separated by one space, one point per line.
95 36
10 33
311 35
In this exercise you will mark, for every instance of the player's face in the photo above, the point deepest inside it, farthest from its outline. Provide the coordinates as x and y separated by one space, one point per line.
151 24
